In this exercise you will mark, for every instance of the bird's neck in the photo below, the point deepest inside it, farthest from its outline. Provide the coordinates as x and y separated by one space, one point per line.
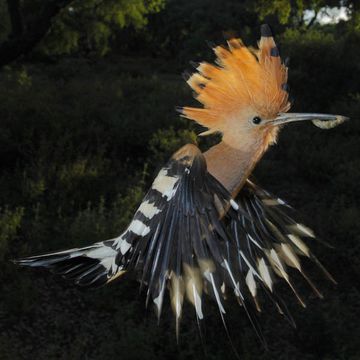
233 166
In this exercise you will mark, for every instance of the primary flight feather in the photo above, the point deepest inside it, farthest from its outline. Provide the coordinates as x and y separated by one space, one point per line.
203 228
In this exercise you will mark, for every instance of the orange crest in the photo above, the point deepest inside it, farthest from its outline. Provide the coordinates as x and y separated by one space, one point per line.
245 80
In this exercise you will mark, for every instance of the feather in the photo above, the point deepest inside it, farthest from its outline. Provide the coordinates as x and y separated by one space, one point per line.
243 78
189 236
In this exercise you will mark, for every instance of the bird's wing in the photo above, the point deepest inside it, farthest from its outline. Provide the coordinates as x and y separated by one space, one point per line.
190 236
270 241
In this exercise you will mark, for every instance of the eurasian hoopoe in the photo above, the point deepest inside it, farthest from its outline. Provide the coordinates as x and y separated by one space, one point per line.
204 227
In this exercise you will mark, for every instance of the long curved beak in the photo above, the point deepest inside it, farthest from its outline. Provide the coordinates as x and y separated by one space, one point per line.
324 121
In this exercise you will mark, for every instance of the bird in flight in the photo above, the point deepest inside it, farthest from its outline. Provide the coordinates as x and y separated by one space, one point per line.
204 228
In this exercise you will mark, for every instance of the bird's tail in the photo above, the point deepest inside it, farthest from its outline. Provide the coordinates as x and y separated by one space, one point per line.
90 266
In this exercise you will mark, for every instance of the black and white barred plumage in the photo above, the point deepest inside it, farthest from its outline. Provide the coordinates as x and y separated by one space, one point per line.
190 237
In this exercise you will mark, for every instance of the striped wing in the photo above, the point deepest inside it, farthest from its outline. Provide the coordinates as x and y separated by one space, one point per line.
191 237
269 242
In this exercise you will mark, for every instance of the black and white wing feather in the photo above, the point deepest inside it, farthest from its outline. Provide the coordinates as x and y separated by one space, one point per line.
191 237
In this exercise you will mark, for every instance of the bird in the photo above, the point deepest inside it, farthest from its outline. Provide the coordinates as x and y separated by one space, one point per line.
205 229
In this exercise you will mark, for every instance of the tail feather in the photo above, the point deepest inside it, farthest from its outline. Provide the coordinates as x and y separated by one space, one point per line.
190 236
91 266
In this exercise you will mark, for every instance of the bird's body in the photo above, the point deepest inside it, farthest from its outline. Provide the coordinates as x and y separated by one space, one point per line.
232 167
204 228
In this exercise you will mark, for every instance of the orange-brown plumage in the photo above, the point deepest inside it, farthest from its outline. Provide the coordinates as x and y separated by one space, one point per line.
244 81
203 226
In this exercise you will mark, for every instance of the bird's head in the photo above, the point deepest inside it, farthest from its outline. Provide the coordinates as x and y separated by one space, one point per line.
245 95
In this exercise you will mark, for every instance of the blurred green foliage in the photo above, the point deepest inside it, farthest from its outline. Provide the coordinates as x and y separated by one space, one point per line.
82 137
9 224
91 25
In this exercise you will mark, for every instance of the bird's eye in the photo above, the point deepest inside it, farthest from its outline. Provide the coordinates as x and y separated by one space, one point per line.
256 120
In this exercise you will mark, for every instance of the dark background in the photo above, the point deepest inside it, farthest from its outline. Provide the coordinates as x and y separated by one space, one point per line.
87 97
